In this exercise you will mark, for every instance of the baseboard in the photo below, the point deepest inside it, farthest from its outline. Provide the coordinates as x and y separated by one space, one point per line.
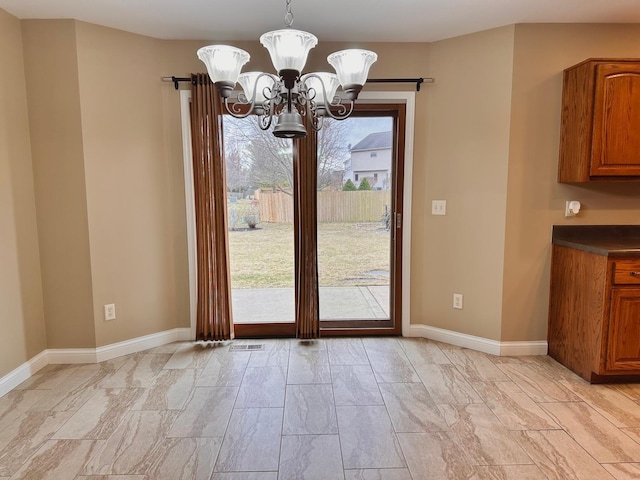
90 355
480 344
139 344
22 373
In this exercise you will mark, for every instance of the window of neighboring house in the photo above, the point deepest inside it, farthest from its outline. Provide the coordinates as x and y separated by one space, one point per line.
356 177
375 176
374 154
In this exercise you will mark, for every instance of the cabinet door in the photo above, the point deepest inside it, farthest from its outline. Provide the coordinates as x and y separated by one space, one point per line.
623 343
616 122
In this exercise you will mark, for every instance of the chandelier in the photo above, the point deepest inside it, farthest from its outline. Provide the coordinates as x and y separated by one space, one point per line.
288 95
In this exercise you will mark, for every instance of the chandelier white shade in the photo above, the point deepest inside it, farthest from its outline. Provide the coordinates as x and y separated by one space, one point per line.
288 48
288 96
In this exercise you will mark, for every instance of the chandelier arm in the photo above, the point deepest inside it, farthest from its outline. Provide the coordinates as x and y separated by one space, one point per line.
235 110
343 111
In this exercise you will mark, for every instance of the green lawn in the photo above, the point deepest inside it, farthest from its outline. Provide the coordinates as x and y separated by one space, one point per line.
348 254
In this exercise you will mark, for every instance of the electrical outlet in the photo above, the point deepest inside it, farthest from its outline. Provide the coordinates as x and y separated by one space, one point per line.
438 207
457 301
109 312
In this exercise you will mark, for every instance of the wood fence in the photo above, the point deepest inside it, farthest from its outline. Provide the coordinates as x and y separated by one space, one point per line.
358 206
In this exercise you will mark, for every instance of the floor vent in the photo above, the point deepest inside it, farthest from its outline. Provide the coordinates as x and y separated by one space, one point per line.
251 347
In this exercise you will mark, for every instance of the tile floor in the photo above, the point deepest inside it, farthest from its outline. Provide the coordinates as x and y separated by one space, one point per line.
348 409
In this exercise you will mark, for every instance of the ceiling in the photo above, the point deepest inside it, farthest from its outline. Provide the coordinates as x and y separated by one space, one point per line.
329 20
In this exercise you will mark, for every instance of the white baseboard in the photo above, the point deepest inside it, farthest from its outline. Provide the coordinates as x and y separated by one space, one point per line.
481 344
142 343
22 373
90 355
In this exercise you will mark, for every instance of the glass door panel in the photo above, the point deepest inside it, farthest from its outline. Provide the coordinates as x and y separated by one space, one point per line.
259 173
356 167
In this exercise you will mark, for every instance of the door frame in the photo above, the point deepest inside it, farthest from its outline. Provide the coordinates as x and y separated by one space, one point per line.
408 98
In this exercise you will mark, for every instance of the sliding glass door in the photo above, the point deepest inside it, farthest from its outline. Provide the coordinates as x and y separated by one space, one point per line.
359 201
359 221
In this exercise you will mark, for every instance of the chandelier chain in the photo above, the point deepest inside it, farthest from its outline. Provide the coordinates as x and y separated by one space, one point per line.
288 17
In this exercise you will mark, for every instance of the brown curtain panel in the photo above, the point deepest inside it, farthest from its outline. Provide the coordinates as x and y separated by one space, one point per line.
214 321
305 165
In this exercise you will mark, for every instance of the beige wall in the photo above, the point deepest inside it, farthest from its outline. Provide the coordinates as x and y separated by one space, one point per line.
465 164
22 332
56 142
535 199
132 188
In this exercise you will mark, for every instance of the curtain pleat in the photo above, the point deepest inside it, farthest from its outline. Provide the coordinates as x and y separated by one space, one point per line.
214 320
305 167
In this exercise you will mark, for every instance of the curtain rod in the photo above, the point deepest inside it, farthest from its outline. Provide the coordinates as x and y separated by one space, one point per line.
417 81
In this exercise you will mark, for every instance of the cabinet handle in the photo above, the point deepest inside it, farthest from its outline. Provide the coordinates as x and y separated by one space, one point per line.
634 274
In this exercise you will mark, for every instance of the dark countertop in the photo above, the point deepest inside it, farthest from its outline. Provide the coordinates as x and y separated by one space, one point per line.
608 240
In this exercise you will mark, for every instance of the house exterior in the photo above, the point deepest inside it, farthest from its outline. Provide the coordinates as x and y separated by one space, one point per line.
371 159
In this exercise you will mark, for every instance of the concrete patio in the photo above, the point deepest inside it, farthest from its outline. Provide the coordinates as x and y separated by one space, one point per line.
276 305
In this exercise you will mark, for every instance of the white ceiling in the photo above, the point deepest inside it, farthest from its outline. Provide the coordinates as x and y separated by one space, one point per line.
329 20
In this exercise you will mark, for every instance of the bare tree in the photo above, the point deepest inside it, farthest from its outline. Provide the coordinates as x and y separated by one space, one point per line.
237 168
269 159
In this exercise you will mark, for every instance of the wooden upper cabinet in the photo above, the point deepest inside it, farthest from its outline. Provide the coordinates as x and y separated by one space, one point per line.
600 130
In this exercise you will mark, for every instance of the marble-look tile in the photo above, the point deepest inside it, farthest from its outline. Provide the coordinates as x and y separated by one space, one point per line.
275 354
170 390
184 458
308 366
347 351
17 402
411 408
355 385
24 436
559 456
252 441
309 409
310 457
246 476
262 387
434 456
378 474
594 433
206 414
133 445
421 351
168 348
552 367
611 403
475 366
382 343
391 365
138 371
446 385
631 390
534 380
191 356
110 477
367 438
634 433
482 436
57 460
77 388
98 418
307 345
513 407
623 471
47 378
224 369
507 472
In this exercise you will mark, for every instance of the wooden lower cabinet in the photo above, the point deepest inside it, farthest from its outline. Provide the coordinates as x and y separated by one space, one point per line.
594 314
623 344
